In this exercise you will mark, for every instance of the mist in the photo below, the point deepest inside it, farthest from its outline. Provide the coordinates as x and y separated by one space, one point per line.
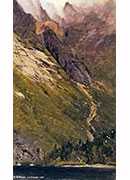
31 7
52 6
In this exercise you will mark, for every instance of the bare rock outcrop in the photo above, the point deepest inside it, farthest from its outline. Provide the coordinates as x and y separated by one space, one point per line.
26 150
70 63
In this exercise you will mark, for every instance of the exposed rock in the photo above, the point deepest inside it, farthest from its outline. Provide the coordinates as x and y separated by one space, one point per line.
26 150
69 9
34 64
24 26
21 19
72 15
19 94
76 70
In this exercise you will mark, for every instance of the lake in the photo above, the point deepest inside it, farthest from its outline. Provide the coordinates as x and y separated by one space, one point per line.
62 173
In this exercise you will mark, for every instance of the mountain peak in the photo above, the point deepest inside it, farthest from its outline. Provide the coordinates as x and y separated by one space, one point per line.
69 7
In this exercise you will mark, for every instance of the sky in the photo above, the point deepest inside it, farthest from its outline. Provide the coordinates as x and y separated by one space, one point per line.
51 6
59 4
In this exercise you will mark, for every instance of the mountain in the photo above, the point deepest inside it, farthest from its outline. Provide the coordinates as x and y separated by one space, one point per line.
93 40
24 25
69 9
64 110
20 19
76 70
71 14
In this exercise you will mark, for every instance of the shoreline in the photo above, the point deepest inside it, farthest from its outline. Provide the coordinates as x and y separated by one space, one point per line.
93 166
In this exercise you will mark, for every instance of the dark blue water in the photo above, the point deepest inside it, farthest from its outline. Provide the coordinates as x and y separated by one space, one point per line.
61 173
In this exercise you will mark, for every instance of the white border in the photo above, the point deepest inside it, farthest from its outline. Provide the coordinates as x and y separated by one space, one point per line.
123 90
6 81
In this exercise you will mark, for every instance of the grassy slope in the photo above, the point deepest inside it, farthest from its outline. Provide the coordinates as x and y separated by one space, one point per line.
44 113
54 111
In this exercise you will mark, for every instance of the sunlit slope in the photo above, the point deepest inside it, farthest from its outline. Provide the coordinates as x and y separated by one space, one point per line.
50 109
47 106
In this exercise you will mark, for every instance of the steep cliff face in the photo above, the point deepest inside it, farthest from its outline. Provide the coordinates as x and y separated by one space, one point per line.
20 20
74 68
24 26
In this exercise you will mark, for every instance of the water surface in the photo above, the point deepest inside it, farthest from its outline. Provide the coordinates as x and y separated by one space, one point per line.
62 173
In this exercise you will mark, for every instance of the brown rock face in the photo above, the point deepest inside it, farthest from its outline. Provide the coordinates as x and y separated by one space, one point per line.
25 150
76 70
54 26
22 23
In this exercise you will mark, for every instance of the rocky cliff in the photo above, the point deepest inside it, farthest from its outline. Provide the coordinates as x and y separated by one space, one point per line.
73 67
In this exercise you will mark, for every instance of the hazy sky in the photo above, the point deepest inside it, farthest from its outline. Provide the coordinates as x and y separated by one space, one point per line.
51 6
59 4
